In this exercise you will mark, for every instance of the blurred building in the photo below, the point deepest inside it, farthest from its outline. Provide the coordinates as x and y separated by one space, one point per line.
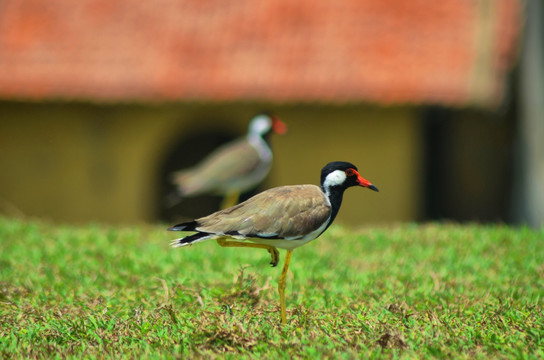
100 100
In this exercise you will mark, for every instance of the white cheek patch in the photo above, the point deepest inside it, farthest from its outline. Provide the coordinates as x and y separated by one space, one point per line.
335 178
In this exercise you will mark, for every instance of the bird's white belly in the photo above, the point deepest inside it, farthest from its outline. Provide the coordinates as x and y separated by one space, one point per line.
292 243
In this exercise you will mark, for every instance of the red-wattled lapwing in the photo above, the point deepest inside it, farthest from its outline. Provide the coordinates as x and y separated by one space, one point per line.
233 168
284 217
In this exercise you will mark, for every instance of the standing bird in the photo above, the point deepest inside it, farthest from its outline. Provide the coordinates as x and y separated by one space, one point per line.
284 217
233 168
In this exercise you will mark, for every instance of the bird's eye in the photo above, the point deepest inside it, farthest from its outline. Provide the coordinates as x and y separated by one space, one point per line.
350 172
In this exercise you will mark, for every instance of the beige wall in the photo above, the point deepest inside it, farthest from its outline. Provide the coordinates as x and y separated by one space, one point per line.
92 162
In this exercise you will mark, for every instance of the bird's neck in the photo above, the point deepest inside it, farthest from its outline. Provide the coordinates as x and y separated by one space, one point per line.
261 144
260 137
335 195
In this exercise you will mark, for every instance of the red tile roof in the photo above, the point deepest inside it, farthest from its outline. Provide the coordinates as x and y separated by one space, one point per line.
454 52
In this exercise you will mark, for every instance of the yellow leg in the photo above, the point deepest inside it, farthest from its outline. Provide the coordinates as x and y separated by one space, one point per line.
281 286
272 250
230 199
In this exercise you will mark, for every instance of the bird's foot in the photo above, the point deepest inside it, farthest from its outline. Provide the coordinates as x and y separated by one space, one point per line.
275 254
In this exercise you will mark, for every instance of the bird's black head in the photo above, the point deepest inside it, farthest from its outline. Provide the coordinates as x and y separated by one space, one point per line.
336 177
342 174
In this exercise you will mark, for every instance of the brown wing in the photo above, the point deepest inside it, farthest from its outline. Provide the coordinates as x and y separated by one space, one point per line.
219 169
281 212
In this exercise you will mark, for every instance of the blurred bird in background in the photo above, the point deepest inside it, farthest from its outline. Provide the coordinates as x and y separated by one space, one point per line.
233 168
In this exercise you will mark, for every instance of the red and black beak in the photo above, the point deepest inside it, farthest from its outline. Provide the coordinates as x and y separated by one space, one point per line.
278 126
365 183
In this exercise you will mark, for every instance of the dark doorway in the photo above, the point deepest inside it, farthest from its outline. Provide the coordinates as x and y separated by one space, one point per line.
469 167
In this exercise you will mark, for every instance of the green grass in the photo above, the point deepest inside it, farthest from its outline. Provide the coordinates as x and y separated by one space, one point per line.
429 291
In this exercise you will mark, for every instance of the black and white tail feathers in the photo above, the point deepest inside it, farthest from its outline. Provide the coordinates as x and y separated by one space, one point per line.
186 226
188 240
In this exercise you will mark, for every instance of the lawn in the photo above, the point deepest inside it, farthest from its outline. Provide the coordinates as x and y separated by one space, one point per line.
432 290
